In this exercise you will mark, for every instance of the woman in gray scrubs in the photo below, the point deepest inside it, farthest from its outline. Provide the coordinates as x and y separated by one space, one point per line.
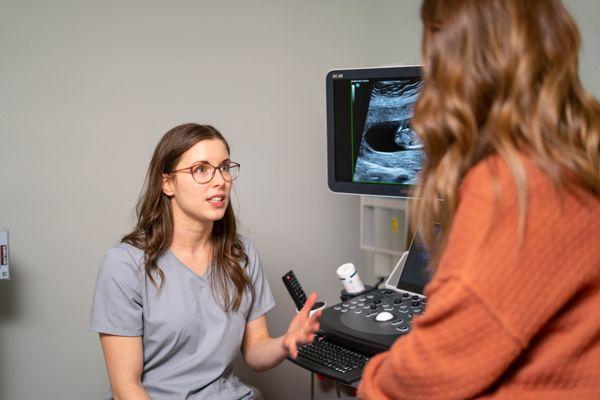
183 292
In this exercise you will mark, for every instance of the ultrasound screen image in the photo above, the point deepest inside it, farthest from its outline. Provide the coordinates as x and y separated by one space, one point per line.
389 151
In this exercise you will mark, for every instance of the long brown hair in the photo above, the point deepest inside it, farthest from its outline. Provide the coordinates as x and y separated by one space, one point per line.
500 77
153 232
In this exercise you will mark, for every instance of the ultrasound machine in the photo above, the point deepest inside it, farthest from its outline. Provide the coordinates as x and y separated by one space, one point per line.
373 151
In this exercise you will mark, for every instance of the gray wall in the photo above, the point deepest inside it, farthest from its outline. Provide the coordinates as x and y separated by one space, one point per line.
86 91
395 35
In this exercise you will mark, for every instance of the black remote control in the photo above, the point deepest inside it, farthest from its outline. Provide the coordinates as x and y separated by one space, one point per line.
293 286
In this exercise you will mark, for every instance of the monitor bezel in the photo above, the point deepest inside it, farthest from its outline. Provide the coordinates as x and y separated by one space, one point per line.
371 189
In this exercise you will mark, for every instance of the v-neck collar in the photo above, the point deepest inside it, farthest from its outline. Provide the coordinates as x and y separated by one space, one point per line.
202 277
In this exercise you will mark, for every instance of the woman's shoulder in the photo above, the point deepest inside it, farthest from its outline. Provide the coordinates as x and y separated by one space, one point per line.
123 258
494 176
491 193
123 249
493 168
247 244
250 250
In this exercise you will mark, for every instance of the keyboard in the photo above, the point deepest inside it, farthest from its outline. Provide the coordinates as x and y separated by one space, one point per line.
331 360
354 330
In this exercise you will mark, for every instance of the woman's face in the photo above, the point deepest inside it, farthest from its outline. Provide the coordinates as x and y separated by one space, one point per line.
201 202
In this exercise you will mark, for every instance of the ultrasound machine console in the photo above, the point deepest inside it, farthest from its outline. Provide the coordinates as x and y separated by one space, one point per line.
371 150
354 330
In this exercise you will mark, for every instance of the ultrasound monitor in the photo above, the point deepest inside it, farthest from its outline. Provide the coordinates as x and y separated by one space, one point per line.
371 147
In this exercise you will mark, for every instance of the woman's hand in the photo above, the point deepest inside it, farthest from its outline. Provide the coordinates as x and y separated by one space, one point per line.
262 352
303 328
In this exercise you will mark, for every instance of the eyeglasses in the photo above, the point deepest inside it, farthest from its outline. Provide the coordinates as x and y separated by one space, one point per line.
204 172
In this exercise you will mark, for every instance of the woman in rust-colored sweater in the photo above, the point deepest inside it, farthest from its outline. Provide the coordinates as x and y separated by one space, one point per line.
512 177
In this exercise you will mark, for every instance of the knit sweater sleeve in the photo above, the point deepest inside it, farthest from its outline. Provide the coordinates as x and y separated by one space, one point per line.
452 352
493 292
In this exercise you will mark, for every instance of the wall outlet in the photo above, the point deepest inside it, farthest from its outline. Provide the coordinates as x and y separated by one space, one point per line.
4 259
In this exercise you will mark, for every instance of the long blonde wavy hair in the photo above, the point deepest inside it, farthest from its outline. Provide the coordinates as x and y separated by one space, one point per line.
500 78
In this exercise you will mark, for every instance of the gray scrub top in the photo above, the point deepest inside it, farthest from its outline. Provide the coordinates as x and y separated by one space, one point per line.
189 341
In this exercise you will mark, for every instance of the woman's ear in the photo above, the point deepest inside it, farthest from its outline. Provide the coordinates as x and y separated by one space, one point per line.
167 185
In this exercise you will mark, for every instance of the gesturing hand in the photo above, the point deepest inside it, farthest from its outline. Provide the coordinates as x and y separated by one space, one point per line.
303 327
